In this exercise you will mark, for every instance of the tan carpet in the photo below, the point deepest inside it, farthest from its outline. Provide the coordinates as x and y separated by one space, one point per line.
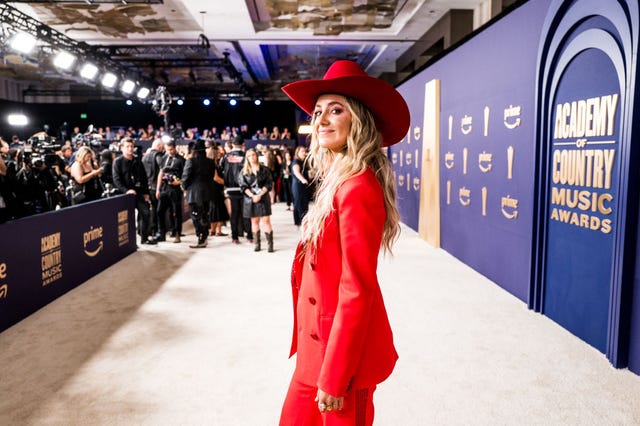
176 336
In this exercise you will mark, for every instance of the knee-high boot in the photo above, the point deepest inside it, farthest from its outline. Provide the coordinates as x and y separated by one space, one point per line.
269 241
256 240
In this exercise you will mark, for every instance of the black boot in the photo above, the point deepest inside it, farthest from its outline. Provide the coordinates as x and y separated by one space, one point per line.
202 242
269 241
256 240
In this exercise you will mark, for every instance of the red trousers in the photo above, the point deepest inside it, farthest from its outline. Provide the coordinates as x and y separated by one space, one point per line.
300 408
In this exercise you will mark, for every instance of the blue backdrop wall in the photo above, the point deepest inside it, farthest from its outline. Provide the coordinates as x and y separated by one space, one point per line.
550 217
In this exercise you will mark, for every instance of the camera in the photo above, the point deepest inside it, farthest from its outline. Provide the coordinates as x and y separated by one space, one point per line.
41 150
168 178
109 190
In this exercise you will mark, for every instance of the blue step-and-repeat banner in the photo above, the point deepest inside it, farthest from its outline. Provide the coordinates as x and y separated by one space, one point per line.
538 165
44 256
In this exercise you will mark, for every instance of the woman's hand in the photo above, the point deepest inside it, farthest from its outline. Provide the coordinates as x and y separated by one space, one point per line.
327 403
256 198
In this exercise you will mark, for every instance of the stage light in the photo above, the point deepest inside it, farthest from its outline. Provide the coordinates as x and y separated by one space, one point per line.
89 71
305 129
64 60
17 120
23 42
109 80
128 86
257 102
180 102
129 102
233 102
166 138
206 102
143 92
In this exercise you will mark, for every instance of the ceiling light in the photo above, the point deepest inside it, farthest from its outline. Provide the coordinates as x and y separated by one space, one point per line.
257 102
64 60
17 119
143 92
129 102
109 80
23 42
206 102
233 102
89 71
180 102
128 86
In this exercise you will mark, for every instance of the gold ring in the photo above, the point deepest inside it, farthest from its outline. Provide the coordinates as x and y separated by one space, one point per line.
329 407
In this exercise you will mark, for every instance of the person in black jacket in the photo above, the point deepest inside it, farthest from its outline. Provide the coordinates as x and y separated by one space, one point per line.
169 192
256 181
130 177
231 166
197 180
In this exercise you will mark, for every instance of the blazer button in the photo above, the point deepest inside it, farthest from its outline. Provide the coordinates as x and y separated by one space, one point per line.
312 300
314 336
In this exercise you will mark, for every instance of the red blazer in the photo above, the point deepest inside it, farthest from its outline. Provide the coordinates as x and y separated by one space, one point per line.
341 330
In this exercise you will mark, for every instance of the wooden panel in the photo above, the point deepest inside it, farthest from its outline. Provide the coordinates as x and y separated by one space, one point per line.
429 221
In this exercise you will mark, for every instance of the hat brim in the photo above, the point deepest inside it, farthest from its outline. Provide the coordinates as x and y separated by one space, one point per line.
385 102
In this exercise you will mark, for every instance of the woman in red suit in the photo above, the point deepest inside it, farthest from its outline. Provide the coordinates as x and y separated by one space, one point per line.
342 335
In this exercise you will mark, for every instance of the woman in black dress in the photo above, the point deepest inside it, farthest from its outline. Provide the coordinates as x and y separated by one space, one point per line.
255 182
86 174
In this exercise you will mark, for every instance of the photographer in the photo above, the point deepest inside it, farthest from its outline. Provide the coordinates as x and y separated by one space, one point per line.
34 185
130 177
8 182
169 192
86 174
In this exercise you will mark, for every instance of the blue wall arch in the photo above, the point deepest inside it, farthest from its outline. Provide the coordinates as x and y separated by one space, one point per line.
567 33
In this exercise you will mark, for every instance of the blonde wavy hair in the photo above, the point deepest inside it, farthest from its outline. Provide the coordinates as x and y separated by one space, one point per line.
362 151
247 168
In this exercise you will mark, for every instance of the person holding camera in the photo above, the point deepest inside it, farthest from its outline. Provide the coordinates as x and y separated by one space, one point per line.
130 177
86 175
34 184
169 192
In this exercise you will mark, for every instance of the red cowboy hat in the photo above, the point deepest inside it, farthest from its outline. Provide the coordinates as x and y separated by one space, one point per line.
347 78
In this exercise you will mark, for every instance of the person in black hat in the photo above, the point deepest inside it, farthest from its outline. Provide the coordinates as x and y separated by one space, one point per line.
197 180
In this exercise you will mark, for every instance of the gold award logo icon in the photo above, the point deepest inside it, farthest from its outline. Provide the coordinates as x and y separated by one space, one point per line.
89 239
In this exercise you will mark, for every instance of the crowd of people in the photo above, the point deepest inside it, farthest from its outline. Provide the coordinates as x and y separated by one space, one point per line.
222 183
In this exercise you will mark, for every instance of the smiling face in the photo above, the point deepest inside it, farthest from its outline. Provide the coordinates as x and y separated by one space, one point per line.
252 157
332 121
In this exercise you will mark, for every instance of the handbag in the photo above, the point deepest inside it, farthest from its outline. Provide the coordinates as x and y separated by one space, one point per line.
77 194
